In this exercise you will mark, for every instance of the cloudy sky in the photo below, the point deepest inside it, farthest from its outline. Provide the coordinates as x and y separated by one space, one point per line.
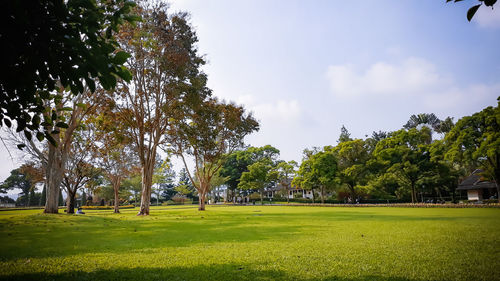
305 68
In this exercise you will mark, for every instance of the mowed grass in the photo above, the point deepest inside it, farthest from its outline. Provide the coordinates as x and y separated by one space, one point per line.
253 243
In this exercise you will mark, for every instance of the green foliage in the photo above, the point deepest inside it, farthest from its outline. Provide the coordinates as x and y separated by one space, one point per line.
406 155
51 42
474 142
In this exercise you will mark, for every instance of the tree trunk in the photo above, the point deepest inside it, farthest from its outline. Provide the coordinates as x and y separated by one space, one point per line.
70 203
312 191
413 195
54 176
147 181
201 203
116 188
261 197
287 195
322 195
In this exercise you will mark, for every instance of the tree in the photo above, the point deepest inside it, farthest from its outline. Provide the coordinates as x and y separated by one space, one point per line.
260 175
56 44
17 180
472 11
53 155
344 135
211 131
165 70
319 170
111 146
475 141
406 154
237 162
352 157
285 173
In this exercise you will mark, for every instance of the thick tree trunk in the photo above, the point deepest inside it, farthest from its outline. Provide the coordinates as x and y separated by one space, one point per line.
312 191
261 197
54 176
147 181
201 203
322 195
287 195
70 203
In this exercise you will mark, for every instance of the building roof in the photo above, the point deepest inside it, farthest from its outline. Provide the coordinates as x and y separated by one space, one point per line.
475 181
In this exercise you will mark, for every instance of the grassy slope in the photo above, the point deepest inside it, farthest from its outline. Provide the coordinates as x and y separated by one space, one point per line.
253 243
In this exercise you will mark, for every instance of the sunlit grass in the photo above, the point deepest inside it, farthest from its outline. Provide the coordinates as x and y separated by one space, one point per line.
253 243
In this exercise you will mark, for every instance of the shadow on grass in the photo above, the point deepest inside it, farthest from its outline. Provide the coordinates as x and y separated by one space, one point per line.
201 272
63 235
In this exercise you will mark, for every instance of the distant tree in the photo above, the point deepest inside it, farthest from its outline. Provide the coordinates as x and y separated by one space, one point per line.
237 162
83 201
43 196
352 157
285 173
211 131
406 155
474 142
319 170
344 135
260 175
55 44
18 180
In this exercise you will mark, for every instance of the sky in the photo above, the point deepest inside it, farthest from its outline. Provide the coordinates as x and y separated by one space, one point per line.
305 68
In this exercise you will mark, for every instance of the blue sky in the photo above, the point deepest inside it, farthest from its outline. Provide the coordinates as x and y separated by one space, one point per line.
305 68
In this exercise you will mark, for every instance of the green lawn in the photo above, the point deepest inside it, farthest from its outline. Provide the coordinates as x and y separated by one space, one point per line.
253 243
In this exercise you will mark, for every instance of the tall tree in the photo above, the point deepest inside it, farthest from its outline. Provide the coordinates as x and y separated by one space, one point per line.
211 131
111 146
165 70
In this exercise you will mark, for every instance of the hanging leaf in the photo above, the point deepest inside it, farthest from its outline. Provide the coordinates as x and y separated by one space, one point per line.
472 11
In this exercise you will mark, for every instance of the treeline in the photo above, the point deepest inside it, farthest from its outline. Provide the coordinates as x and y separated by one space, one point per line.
427 157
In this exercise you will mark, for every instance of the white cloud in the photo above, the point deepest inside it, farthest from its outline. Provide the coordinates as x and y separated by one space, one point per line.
414 78
410 76
487 17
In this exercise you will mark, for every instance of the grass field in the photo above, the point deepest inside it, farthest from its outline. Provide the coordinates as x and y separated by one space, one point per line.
253 243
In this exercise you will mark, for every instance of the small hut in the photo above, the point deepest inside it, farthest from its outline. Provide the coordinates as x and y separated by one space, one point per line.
477 188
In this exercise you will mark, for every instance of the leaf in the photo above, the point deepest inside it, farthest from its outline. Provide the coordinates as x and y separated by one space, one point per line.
472 11
55 132
28 135
121 57
21 146
62 125
40 136
50 139
7 122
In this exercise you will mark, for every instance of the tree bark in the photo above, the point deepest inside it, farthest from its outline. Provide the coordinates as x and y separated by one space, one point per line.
54 176
201 203
70 202
413 194
322 194
261 197
147 181
116 188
